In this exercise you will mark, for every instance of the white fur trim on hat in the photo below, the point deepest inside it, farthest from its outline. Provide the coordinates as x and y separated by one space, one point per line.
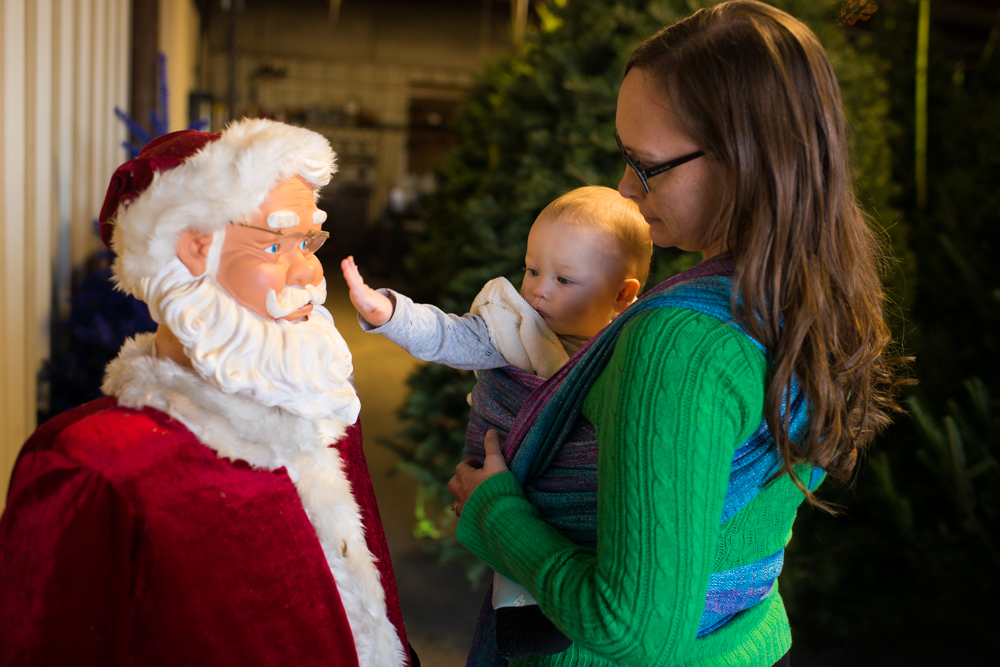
226 181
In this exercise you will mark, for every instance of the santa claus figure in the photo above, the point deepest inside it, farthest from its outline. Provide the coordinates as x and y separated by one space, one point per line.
216 508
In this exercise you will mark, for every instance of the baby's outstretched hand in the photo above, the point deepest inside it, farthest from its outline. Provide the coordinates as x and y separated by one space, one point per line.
375 308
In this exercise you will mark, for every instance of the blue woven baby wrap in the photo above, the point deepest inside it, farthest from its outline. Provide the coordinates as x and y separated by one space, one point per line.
566 495
561 423
754 463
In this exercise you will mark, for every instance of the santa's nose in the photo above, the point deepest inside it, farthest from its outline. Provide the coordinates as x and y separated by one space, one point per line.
303 269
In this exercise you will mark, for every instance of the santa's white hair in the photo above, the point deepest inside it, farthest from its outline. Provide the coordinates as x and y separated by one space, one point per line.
226 181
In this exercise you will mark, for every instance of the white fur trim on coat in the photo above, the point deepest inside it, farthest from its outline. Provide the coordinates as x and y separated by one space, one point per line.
517 331
226 181
269 438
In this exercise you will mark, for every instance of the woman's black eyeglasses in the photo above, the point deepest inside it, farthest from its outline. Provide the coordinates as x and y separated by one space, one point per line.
645 174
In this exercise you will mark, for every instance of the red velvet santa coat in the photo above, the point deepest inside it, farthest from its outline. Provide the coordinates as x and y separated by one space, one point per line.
126 540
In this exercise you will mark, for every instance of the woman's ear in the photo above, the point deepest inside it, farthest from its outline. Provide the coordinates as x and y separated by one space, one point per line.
627 292
192 250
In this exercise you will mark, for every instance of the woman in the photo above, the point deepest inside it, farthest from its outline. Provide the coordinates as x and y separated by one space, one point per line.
721 398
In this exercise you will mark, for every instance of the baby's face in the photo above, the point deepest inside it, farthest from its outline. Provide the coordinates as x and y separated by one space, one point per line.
571 276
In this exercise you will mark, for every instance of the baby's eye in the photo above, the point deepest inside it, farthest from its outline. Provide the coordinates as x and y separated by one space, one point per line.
531 272
564 281
273 249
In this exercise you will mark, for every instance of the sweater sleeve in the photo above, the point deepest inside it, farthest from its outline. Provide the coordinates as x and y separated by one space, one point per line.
679 394
430 334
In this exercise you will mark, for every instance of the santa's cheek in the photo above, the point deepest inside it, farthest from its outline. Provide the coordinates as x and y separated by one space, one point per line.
249 283
262 281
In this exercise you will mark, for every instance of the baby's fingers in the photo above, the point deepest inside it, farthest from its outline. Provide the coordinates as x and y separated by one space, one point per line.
494 461
351 274
375 308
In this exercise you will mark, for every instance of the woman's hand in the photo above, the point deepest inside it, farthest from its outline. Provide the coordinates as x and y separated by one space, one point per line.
375 308
468 474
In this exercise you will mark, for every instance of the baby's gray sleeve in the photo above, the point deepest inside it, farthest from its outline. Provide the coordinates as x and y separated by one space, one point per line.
430 334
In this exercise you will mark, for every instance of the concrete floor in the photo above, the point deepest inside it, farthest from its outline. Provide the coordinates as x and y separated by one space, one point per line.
439 607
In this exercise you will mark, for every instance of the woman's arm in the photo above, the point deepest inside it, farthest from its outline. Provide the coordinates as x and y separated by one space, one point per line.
679 394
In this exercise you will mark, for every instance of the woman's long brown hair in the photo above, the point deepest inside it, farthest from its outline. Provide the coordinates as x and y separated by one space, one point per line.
755 89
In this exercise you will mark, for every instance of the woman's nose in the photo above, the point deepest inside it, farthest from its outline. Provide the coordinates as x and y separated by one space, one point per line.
630 186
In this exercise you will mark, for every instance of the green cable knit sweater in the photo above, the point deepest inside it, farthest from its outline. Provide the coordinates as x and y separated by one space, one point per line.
681 392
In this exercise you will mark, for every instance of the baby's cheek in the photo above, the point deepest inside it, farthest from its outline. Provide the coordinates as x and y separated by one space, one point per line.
526 288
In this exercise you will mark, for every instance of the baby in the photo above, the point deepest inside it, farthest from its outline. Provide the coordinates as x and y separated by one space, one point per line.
588 257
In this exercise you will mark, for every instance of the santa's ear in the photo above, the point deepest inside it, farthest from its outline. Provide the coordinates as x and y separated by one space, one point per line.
192 250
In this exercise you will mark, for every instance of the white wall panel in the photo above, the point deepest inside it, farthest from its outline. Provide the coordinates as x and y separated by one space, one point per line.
97 134
39 190
15 384
83 58
64 112
63 67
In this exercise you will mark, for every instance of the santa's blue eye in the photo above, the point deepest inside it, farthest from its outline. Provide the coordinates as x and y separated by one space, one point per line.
273 249
303 244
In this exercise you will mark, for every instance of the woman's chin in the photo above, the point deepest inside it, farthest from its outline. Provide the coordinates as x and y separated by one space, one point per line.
661 238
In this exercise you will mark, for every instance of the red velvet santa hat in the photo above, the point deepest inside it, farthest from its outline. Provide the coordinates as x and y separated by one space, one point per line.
203 181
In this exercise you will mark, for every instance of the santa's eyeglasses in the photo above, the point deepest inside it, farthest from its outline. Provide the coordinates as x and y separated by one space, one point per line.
307 242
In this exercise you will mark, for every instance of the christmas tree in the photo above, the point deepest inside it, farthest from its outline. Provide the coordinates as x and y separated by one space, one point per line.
918 552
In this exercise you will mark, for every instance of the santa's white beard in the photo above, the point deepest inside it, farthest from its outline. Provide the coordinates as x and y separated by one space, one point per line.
293 298
303 367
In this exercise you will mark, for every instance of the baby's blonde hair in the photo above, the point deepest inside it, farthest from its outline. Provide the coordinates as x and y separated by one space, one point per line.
595 205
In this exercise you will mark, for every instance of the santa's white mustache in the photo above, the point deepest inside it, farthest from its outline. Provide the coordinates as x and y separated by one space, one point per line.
294 297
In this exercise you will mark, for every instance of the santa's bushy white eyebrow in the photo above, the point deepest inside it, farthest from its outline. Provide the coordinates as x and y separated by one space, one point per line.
282 219
319 217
